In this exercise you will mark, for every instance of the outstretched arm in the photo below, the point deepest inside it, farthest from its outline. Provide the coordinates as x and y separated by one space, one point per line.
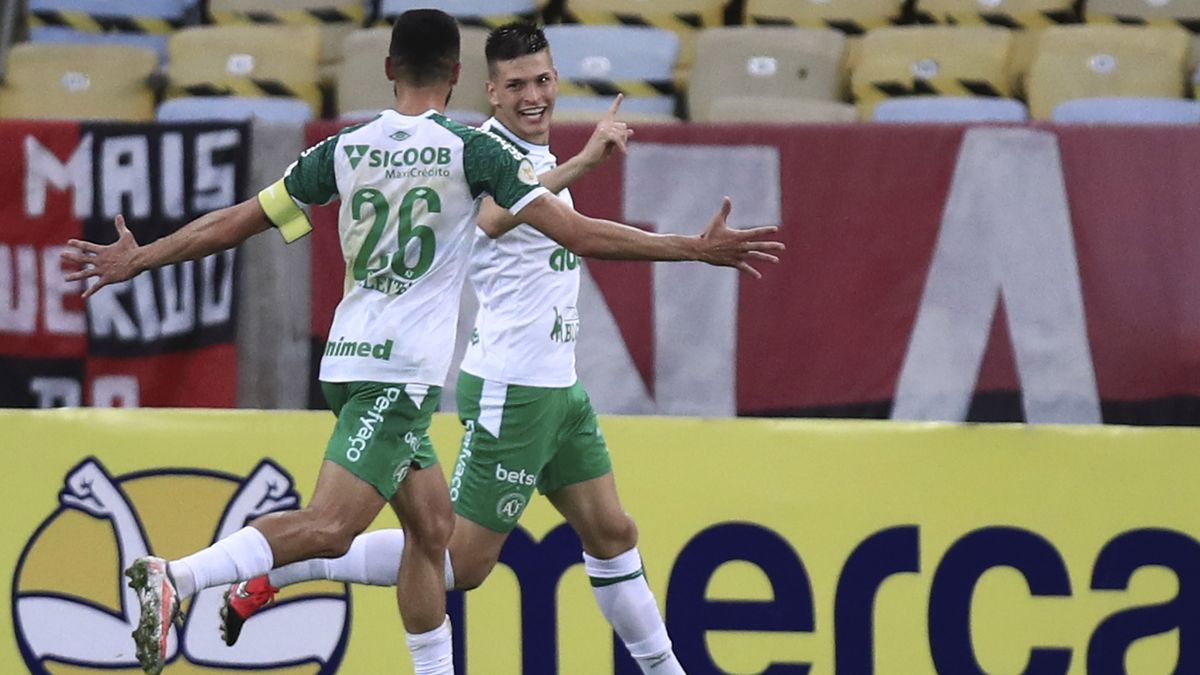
608 136
595 238
124 258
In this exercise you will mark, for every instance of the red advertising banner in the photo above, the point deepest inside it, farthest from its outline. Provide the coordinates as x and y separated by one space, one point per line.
1042 274
164 338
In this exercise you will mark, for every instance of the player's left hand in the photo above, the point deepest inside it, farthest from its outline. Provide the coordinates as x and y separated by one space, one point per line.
727 247
609 135
109 264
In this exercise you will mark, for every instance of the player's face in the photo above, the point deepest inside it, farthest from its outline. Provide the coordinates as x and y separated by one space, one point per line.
523 90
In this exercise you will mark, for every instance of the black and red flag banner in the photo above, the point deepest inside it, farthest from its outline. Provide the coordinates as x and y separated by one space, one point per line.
164 338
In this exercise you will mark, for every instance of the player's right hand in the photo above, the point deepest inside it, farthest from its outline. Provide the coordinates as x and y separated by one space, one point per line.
609 135
108 264
727 247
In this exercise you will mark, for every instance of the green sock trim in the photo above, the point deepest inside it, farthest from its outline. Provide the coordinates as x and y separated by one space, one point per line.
601 582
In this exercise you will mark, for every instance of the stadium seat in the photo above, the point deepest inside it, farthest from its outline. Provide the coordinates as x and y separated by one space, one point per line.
1090 61
775 62
139 23
233 109
155 43
99 16
1143 12
684 17
596 62
1025 17
362 84
78 81
775 110
852 17
1127 110
951 109
278 61
1014 14
931 61
470 13
1160 13
336 18
363 88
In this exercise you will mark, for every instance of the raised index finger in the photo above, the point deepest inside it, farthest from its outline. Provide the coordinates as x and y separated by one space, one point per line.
612 109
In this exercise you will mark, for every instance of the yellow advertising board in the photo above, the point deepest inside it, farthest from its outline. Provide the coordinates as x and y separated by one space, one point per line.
773 546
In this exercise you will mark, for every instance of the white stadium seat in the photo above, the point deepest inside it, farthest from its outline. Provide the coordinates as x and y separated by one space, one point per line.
1127 110
951 109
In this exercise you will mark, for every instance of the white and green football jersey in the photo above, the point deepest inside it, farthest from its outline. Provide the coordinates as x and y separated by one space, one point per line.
528 288
410 188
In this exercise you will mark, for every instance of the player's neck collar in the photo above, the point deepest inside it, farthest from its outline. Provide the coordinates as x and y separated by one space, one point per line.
397 113
507 134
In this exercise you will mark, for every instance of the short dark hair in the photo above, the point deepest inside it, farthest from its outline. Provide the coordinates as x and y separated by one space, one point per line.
424 48
513 40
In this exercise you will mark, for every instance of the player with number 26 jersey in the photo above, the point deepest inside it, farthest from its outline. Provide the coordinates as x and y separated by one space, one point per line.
410 188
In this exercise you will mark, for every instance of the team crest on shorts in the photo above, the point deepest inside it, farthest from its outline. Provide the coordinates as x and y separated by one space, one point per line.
510 506
72 610
401 472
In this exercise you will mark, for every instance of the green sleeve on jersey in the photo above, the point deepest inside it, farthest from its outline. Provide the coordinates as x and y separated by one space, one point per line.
311 179
497 168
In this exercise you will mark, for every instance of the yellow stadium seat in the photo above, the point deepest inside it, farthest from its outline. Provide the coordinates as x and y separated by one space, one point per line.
684 17
783 63
852 17
931 61
246 61
1025 17
1159 13
1090 61
362 84
1146 12
773 110
1014 14
335 18
65 81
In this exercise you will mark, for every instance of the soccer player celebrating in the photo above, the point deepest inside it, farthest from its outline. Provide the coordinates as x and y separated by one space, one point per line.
410 182
527 420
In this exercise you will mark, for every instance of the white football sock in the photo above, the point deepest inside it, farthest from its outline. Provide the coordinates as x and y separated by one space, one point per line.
245 554
301 570
373 558
620 587
432 652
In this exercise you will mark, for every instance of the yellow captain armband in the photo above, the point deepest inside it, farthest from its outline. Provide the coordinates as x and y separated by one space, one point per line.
288 218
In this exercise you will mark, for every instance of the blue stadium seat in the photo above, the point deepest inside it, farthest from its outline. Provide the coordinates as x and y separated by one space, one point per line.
596 62
480 13
161 9
156 43
1127 110
778 110
233 109
950 109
